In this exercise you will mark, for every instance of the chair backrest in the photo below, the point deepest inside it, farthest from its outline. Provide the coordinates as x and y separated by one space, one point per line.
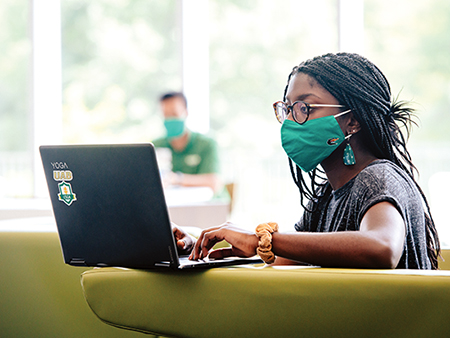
439 186
230 189
444 263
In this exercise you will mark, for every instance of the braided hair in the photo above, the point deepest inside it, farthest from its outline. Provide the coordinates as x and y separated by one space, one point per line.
360 86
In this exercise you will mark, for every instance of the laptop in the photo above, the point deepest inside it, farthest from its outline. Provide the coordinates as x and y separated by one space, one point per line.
109 207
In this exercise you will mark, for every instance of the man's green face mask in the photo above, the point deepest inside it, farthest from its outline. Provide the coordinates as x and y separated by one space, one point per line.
310 143
174 127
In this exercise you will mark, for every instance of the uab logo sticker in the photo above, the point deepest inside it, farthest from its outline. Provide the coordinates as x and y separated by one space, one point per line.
66 194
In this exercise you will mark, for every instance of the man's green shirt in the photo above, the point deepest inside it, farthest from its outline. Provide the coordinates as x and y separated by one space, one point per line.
199 157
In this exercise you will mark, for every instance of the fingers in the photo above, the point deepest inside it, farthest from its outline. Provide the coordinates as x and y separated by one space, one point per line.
209 237
179 238
189 243
205 242
184 241
178 233
221 253
181 244
209 240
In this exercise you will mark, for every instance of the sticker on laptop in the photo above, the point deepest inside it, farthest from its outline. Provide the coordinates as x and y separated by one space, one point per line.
62 175
66 194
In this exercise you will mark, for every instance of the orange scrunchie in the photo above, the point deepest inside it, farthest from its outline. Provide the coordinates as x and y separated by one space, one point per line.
264 232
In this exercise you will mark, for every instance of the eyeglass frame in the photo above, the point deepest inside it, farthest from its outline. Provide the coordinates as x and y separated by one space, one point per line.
289 108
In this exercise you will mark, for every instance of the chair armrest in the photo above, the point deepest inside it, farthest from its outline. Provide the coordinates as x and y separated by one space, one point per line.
272 302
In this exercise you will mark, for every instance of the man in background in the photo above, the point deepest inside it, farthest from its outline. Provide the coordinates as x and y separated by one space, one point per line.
194 155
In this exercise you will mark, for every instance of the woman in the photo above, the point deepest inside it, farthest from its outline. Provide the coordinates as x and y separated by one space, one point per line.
367 211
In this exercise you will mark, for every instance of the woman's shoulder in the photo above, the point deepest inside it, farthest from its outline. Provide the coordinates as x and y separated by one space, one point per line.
381 169
384 175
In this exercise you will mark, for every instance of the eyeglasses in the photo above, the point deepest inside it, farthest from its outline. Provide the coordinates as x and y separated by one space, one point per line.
300 110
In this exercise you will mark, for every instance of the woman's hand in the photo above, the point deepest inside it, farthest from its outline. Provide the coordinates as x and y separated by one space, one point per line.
184 241
243 243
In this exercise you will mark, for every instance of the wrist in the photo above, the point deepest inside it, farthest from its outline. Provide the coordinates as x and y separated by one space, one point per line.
264 233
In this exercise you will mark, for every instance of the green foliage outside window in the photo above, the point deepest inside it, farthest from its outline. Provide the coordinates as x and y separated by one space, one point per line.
118 57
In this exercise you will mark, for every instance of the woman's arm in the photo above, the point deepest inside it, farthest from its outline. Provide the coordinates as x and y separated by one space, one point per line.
378 244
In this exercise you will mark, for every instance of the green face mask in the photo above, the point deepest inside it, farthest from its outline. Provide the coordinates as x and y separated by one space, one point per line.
310 143
174 127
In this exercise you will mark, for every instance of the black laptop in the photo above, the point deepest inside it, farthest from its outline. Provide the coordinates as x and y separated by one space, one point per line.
110 210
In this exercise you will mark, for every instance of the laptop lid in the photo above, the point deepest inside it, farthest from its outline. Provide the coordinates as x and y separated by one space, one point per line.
109 205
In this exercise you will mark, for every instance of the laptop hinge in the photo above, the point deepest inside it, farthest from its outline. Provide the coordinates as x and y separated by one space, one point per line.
163 264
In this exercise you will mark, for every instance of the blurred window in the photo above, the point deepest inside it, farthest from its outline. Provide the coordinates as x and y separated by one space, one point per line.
15 142
118 56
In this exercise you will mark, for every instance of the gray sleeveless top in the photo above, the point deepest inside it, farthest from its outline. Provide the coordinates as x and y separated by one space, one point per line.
382 180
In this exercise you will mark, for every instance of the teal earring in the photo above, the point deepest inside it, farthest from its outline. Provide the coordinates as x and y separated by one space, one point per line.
349 156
